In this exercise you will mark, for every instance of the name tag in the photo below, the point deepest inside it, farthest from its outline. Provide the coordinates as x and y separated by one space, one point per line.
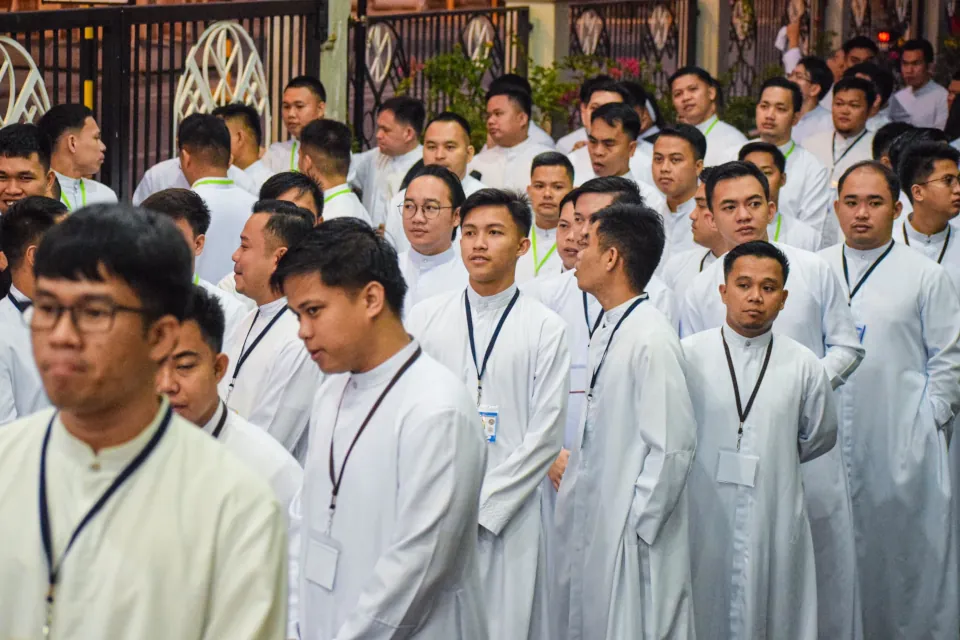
861 329
490 417
737 468
320 568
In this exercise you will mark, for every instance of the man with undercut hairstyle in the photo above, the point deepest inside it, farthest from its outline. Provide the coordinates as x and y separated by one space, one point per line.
304 100
696 97
325 157
884 138
246 138
535 132
295 187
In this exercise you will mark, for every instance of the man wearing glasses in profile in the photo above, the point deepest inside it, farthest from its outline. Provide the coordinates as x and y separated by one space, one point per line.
145 527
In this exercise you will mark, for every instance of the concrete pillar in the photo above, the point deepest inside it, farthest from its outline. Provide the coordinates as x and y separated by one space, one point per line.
834 23
549 29
713 35
333 61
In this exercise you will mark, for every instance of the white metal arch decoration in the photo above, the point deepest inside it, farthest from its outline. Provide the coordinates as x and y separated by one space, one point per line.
381 45
223 67
589 27
479 34
29 101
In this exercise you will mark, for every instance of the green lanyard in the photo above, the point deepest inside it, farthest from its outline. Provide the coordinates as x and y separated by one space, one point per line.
293 156
716 119
220 181
83 196
539 265
776 233
335 194
793 145
196 279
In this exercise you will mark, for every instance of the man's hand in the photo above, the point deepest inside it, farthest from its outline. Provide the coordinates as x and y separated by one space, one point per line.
793 34
578 144
558 468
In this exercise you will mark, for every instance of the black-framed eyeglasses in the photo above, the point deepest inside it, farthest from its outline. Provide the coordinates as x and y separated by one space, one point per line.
430 210
87 316
949 181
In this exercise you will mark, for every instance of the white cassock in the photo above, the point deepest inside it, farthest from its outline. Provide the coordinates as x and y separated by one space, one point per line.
678 232
723 141
342 202
507 167
21 389
943 247
276 384
228 285
408 561
542 259
641 168
751 549
681 268
536 133
817 316
896 415
924 107
230 207
428 276
566 144
814 121
77 193
875 123
394 233
258 172
233 310
193 545
527 380
283 156
790 231
167 175
807 196
622 553
379 177
641 163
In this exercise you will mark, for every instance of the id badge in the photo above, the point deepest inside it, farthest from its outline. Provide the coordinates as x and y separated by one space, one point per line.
861 329
737 468
490 417
323 552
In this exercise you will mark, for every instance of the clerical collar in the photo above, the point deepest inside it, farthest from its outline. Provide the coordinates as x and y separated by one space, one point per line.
111 459
19 295
685 208
412 156
517 147
383 372
66 181
868 255
613 316
272 308
211 424
425 263
496 301
213 181
936 238
738 341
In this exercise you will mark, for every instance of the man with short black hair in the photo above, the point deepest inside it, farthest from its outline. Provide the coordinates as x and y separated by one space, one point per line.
77 154
402 435
923 102
21 229
696 97
295 187
607 91
511 352
304 100
859 49
884 138
378 172
897 413
246 137
24 164
883 82
325 157
815 80
144 527
535 132
190 213
270 381
551 178
677 161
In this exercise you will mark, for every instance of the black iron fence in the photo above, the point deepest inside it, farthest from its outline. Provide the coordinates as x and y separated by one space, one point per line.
127 61
660 34
387 50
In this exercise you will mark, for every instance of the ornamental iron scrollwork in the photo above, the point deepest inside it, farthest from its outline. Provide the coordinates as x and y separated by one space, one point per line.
28 100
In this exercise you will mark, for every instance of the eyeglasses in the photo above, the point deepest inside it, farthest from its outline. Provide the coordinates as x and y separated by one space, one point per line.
949 181
430 210
88 316
796 75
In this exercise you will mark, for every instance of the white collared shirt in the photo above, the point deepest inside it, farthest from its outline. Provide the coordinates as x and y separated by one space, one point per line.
230 207
507 167
723 141
21 389
816 120
341 202
428 276
942 247
259 173
379 177
678 231
566 143
394 232
641 166
542 258
283 156
76 193
807 196
792 232
923 107
167 175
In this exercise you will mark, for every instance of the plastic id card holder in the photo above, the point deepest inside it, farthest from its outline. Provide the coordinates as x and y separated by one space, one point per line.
861 329
323 552
734 467
490 417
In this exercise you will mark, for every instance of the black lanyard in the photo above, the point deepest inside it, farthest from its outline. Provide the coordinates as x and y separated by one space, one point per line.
246 354
21 306
833 148
586 316
53 569
741 412
596 373
943 251
223 421
481 369
337 479
704 259
846 275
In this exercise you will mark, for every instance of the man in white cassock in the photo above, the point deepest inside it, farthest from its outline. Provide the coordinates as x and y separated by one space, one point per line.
446 142
622 554
923 102
508 164
816 316
511 352
304 100
751 549
246 140
269 379
594 92
695 95
896 415
681 268
131 522
379 172
189 377
815 80
930 176
551 178
325 157
21 229
677 162
784 227
191 215
431 214
375 563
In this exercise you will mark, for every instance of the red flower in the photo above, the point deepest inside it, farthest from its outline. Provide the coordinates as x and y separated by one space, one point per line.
615 72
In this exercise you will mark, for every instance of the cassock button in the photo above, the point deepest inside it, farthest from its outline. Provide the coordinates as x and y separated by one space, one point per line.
95 466
747 343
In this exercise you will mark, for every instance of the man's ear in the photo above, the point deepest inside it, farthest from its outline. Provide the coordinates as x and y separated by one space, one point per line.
220 366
